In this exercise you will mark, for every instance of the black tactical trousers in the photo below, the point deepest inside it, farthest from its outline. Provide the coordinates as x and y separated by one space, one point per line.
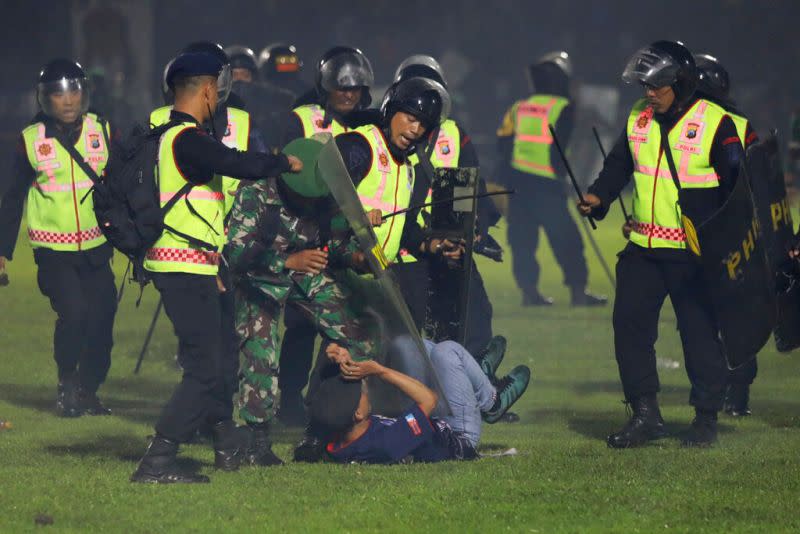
297 348
540 205
80 286
744 375
192 302
643 282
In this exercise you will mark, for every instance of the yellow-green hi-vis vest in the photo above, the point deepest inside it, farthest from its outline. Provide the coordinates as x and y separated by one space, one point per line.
657 218
58 216
312 117
445 155
172 253
237 135
741 127
387 187
532 139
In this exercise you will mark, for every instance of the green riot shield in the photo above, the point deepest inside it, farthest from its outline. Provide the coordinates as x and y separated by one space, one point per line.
765 171
731 250
377 295
448 293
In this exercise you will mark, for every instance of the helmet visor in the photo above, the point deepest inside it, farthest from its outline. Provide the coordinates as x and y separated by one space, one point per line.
224 83
65 99
346 70
409 95
651 67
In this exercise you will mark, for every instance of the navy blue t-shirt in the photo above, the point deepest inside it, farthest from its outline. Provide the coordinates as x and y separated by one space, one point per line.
390 440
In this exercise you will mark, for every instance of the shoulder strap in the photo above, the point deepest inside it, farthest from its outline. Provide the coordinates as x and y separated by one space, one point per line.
673 171
77 158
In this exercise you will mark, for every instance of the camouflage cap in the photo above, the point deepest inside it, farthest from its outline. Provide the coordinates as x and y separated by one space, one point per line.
307 182
334 404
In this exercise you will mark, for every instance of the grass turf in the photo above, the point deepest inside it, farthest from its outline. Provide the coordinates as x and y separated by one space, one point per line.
75 472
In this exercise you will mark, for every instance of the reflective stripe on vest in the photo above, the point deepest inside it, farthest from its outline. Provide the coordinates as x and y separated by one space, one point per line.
172 253
656 213
58 216
386 187
532 139
237 135
312 117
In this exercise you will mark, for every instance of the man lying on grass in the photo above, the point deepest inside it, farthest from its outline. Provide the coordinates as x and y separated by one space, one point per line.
342 407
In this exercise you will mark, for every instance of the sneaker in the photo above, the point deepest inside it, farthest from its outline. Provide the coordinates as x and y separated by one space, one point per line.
582 297
67 404
536 299
509 389
492 356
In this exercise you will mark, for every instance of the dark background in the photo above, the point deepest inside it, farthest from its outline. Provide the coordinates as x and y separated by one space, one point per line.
483 45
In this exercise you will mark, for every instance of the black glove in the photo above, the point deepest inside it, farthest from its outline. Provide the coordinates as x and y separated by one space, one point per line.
488 247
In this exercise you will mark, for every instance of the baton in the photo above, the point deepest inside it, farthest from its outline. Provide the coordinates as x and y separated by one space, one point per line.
148 337
603 152
443 201
122 284
569 171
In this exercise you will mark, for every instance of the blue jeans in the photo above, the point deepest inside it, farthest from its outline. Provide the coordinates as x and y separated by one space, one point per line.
465 386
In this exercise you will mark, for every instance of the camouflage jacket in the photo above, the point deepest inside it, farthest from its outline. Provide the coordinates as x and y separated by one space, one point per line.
263 233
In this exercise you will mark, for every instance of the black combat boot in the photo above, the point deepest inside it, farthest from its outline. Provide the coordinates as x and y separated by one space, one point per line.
230 445
159 466
90 404
703 430
310 449
645 424
581 297
260 450
67 402
737 400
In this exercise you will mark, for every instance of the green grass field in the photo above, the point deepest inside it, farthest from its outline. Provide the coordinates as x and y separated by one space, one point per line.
563 479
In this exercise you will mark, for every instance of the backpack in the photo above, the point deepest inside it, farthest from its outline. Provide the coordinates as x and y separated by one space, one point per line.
126 197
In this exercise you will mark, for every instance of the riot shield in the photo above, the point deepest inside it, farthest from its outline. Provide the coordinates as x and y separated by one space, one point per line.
765 172
377 295
736 273
448 293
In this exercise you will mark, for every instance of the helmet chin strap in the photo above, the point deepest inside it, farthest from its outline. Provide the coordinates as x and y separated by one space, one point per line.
211 120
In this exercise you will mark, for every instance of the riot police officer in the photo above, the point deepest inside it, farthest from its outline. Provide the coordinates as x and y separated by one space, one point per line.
535 171
184 266
704 145
70 251
344 76
268 104
280 65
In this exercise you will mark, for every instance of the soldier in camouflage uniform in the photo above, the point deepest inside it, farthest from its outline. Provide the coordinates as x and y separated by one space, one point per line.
280 249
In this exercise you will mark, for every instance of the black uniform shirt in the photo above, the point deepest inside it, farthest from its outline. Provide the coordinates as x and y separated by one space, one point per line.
199 157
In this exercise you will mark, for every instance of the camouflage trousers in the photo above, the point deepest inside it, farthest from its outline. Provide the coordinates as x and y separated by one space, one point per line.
324 304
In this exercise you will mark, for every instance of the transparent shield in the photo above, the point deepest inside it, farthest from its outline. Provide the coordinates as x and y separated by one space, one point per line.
65 99
380 304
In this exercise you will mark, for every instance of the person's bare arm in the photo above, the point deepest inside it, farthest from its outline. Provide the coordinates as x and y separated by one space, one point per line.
418 392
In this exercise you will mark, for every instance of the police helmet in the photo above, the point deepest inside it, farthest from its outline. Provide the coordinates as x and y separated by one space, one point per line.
420 65
664 64
279 59
344 67
551 73
242 57
225 78
420 97
62 76
712 78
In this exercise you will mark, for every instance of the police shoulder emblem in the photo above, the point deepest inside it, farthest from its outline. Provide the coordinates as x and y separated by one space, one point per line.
45 149
383 160
691 130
